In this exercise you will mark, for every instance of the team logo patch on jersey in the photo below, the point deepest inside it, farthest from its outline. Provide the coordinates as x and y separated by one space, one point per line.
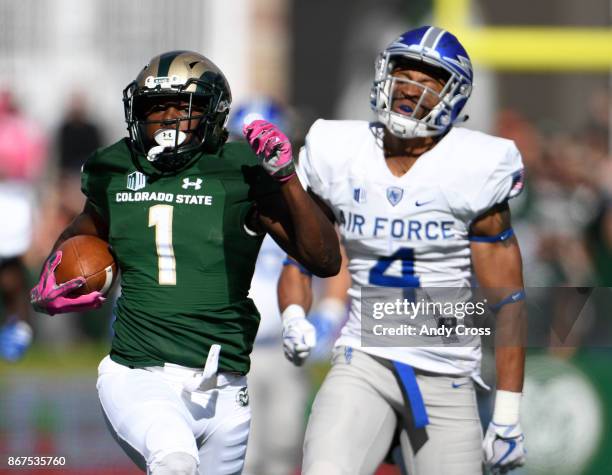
359 195
242 397
197 184
394 195
136 181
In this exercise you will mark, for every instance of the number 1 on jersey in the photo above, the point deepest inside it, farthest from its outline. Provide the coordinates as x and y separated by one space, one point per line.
160 216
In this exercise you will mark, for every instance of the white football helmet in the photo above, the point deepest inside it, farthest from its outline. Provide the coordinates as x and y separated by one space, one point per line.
435 47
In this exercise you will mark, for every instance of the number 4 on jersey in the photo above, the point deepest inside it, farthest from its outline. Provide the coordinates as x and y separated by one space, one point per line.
407 278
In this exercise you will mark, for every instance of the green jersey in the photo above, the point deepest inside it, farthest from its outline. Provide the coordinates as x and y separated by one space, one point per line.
186 259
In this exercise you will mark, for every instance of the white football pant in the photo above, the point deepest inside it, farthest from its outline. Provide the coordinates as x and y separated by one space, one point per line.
166 429
361 408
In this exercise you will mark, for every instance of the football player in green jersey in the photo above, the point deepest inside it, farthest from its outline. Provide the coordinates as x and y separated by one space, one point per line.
185 214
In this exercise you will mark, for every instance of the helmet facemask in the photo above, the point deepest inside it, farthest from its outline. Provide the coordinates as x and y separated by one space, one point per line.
197 89
422 120
171 148
437 53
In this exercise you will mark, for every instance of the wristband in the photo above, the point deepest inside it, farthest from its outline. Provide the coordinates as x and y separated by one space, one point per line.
512 298
503 236
507 407
293 311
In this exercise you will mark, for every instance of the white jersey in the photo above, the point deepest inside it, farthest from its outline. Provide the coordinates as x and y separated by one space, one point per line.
416 225
263 290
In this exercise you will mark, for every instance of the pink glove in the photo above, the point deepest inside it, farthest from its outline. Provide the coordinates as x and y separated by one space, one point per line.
48 297
272 147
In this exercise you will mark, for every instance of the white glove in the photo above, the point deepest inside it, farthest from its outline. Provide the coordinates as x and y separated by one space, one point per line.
504 447
299 335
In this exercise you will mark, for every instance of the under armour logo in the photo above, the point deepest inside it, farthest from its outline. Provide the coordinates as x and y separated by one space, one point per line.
196 184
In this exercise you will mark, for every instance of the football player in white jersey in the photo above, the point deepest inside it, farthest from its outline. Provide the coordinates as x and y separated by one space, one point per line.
418 203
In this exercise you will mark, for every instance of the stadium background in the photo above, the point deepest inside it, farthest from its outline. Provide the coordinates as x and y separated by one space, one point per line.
543 77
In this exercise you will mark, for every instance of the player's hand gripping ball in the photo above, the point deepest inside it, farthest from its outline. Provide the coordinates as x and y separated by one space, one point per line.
76 277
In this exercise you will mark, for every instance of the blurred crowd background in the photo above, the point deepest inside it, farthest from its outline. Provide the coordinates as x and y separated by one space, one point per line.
64 64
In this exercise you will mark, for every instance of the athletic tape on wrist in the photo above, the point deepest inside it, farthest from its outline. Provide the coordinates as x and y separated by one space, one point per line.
293 311
507 407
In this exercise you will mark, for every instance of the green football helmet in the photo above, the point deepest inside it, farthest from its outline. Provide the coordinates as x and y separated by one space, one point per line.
179 77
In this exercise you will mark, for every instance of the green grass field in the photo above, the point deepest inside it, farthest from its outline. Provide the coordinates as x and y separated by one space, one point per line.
81 358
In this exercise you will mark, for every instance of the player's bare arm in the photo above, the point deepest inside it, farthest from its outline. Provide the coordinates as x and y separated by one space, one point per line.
294 220
88 222
497 264
498 267
299 226
295 283
295 300
294 287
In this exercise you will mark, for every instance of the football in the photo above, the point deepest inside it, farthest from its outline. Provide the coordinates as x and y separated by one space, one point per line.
89 257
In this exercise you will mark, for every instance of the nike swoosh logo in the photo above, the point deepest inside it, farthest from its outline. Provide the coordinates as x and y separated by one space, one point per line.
423 203
455 385
512 446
